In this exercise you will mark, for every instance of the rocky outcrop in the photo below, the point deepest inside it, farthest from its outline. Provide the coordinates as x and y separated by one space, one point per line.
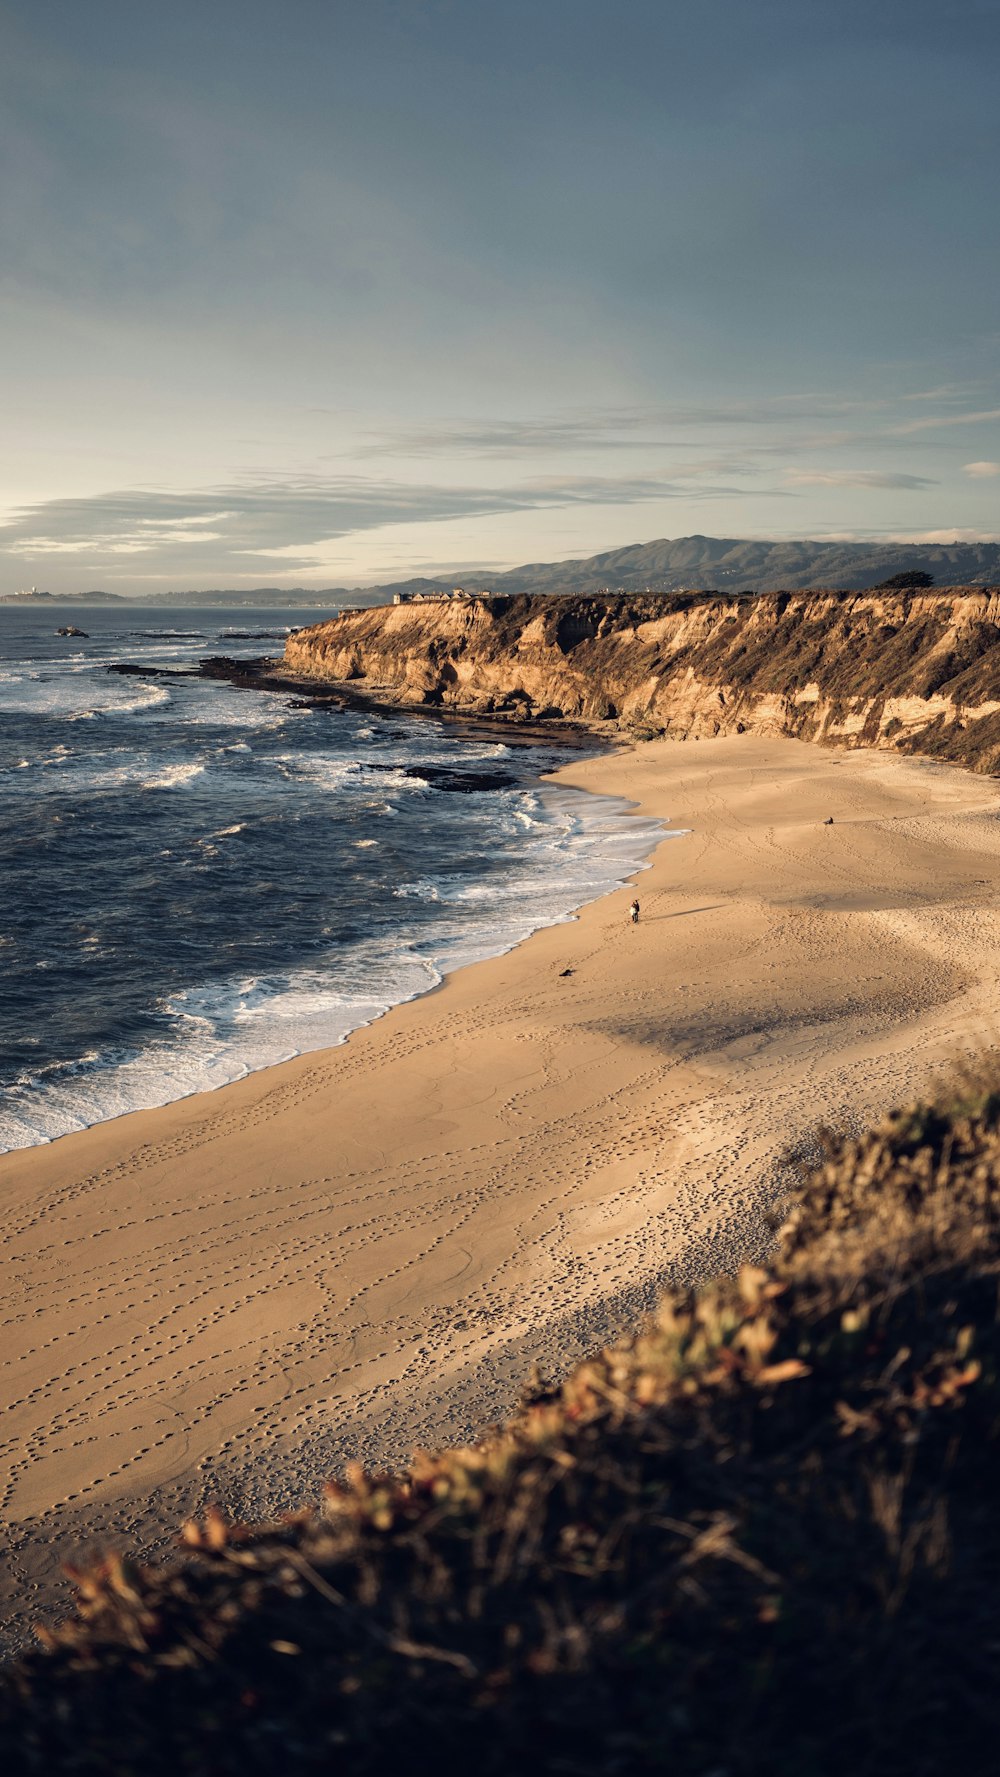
917 671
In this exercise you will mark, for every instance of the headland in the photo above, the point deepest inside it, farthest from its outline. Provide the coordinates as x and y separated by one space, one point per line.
911 670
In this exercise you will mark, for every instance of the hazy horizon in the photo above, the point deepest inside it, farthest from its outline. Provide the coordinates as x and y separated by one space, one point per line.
340 295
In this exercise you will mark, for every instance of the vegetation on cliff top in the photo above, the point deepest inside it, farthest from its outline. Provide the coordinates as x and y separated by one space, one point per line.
914 581
760 1536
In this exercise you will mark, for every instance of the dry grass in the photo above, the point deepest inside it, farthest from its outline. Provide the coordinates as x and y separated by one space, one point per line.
759 1537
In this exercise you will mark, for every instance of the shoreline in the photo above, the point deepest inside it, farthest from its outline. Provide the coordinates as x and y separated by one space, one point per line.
358 1249
437 964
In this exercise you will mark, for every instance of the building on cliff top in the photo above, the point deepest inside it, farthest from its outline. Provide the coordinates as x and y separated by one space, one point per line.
430 598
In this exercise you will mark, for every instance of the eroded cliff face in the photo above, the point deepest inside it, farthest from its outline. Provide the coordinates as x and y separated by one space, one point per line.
917 671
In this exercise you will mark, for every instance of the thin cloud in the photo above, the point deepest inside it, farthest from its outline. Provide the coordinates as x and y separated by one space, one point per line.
984 416
981 471
614 428
856 478
944 392
961 534
762 428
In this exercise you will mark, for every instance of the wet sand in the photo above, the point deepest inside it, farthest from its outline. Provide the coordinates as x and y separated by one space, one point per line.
365 1249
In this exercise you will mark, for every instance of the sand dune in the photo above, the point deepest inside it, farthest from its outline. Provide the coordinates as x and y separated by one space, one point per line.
364 1249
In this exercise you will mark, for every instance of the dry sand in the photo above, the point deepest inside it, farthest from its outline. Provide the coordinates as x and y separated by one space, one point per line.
364 1249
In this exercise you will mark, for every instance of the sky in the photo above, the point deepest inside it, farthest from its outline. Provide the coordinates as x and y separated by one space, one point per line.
331 292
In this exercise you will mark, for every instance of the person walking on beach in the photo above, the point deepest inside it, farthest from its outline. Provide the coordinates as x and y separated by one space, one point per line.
633 913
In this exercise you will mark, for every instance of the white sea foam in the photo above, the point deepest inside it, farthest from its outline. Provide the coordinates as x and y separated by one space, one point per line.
328 774
174 777
118 768
145 697
78 696
222 1033
223 707
340 774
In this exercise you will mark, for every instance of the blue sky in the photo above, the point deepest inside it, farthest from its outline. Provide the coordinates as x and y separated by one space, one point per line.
332 291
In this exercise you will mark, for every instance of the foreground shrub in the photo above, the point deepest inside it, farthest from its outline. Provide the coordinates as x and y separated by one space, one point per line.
759 1537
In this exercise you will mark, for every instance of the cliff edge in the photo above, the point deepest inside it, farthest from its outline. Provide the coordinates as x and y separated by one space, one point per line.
919 671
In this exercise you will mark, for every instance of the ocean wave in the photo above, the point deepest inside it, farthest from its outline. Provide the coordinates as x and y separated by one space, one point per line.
76 697
102 772
220 706
173 777
325 774
223 1031
148 697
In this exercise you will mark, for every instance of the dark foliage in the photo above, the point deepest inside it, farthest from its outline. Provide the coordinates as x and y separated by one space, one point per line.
911 580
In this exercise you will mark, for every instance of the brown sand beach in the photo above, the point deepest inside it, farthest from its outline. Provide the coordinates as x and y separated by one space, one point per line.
365 1249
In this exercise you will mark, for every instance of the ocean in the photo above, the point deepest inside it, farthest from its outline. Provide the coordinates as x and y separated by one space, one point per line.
198 881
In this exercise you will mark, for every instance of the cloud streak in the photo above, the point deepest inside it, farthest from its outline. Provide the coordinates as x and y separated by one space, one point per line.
656 426
877 478
253 524
603 429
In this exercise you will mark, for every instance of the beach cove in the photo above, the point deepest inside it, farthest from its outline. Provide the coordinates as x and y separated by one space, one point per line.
366 1248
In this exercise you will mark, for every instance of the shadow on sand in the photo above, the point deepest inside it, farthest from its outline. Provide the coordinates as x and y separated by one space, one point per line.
652 919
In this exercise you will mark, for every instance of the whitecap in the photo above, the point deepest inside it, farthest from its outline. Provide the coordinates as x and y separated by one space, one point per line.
174 776
79 697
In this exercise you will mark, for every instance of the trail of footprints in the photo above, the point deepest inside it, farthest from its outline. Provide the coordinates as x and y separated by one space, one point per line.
92 1381
100 1387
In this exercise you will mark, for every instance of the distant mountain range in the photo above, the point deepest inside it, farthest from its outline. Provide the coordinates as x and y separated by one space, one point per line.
731 564
684 563
669 565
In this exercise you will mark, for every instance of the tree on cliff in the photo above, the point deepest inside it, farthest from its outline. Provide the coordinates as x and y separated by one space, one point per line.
911 581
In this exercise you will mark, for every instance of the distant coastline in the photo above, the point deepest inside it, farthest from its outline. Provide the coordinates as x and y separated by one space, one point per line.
61 598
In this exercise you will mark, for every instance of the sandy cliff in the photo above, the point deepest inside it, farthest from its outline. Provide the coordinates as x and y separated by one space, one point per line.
916 671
